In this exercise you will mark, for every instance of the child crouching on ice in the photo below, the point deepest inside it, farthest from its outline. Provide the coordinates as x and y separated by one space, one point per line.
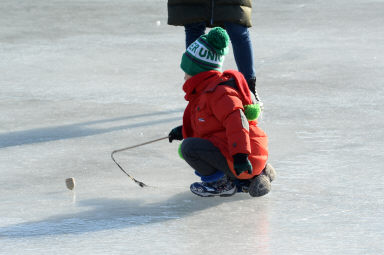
222 142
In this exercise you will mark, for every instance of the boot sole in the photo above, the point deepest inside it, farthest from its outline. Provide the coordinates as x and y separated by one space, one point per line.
218 195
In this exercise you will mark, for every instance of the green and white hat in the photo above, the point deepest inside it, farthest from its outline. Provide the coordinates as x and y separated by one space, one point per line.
206 53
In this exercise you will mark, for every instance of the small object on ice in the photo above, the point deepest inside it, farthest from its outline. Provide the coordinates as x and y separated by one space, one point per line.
70 183
158 23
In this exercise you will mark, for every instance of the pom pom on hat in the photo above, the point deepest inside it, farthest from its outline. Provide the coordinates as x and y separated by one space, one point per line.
218 39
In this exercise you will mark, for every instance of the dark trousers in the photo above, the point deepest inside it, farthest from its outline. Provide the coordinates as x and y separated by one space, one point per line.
241 44
204 157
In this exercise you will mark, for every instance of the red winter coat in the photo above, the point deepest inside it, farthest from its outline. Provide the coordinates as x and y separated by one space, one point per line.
214 112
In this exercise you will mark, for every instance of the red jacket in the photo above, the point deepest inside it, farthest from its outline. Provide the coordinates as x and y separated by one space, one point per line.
214 112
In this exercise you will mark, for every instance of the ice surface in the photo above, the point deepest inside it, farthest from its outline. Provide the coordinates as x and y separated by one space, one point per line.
82 78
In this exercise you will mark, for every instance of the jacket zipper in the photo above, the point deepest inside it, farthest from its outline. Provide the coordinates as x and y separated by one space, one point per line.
212 6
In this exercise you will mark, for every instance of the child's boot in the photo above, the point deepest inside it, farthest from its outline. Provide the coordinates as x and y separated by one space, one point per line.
223 187
270 172
261 184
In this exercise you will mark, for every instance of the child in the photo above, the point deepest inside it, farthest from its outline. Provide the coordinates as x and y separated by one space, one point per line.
222 142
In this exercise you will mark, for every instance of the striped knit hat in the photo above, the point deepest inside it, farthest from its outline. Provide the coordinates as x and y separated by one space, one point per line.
206 53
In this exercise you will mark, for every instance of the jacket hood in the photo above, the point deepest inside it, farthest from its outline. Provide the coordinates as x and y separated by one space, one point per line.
198 83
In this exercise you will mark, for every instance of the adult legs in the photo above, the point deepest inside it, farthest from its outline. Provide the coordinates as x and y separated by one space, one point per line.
243 53
193 32
242 49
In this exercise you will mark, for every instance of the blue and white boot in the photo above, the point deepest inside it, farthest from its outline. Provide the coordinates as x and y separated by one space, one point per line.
217 184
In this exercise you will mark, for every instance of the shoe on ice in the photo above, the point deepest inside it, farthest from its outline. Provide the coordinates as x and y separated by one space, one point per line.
260 186
223 187
242 185
252 87
270 172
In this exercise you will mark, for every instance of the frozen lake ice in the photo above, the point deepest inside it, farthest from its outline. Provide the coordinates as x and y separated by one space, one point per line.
81 78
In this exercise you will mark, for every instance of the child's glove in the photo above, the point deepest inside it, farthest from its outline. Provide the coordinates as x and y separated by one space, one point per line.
176 134
241 163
